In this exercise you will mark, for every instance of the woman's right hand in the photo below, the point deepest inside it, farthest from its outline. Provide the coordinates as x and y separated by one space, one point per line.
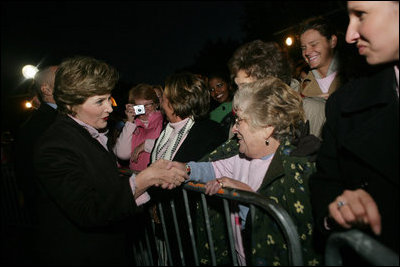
162 172
130 112
167 172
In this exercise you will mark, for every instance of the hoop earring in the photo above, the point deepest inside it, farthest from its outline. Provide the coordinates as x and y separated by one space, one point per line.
266 142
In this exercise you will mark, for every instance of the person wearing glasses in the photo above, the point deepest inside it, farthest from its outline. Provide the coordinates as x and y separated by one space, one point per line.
269 116
143 126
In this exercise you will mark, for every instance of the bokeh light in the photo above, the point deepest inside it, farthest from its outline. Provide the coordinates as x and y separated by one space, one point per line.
29 71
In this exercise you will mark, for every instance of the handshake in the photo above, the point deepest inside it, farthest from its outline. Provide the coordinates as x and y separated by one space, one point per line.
167 174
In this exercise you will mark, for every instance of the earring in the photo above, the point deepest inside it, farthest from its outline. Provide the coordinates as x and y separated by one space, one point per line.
267 142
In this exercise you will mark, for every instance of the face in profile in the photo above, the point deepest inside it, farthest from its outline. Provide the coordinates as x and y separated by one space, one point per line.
316 49
374 28
219 90
94 111
251 141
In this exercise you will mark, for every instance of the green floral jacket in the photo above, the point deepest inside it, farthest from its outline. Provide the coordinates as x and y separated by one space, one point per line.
285 182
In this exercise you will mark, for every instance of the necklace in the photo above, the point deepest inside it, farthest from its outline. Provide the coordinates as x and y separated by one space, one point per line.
173 145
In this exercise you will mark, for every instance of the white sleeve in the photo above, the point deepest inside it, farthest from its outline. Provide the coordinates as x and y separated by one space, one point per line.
123 145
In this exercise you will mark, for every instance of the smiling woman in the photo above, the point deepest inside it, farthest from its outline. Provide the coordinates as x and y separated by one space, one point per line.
269 119
84 204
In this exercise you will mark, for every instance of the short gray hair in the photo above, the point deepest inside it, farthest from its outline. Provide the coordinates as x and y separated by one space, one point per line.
271 102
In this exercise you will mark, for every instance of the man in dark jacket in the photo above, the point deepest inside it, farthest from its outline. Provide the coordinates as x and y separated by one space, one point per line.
28 134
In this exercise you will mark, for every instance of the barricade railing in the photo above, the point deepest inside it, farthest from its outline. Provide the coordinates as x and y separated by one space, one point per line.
183 250
363 245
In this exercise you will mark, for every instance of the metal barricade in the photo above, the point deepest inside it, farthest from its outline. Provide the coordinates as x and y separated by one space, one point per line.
363 245
183 250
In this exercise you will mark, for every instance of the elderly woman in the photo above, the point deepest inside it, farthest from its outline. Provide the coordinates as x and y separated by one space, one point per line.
269 116
84 205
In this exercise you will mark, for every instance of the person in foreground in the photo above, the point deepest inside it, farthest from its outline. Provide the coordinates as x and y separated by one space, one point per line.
357 180
85 206
269 120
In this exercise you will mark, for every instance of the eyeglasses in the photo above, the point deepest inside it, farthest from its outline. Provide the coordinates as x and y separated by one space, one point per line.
238 120
146 105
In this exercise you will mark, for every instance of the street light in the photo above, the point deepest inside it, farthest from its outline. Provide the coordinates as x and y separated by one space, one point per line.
29 71
289 41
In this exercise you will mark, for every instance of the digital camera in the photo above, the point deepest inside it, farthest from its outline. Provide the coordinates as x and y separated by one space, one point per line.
139 109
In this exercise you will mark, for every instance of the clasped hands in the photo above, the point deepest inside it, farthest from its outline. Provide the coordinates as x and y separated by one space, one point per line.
356 209
167 174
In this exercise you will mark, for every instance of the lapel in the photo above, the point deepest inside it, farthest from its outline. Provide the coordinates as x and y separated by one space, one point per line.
84 133
274 171
373 107
312 89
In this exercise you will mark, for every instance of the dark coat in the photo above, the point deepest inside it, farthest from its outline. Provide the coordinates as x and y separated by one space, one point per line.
204 136
28 134
360 149
83 203
286 182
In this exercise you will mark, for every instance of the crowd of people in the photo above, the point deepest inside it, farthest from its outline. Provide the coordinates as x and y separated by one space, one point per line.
323 147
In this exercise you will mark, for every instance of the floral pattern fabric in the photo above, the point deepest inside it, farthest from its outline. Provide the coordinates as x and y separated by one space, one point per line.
286 183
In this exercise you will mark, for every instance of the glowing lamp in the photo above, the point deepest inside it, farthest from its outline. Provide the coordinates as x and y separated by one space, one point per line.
29 71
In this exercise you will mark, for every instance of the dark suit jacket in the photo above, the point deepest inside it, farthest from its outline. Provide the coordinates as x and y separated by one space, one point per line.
204 136
84 203
28 135
360 149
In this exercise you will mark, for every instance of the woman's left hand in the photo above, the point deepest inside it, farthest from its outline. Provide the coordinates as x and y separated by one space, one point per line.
356 208
213 186
136 152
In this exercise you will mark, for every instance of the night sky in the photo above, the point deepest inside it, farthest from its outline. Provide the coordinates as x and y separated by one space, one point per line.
145 40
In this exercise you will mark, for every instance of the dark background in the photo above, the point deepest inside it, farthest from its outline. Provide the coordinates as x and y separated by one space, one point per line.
145 40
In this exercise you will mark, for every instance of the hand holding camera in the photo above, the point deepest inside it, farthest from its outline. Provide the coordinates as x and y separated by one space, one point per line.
132 111
139 109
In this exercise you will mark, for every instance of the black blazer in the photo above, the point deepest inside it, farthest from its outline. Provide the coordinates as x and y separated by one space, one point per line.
360 149
204 136
84 203
28 134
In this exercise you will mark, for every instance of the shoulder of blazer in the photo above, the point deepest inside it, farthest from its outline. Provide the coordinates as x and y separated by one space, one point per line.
366 91
207 127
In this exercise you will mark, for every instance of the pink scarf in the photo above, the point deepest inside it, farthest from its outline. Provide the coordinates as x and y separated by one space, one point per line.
141 133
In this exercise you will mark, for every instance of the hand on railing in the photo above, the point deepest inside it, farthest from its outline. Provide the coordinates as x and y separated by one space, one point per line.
356 209
212 187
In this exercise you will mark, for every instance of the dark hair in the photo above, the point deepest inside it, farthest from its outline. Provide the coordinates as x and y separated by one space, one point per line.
188 95
260 59
79 78
320 24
